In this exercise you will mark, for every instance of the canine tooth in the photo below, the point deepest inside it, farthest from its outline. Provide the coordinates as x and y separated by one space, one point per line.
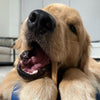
34 72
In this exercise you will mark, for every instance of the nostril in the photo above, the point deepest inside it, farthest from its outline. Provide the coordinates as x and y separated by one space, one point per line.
32 20
32 17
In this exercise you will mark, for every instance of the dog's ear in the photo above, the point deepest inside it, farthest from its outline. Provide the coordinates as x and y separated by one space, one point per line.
85 52
17 44
21 44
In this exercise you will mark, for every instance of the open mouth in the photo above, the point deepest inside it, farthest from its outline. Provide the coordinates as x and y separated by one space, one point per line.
34 63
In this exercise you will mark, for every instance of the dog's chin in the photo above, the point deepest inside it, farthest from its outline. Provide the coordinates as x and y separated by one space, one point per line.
34 64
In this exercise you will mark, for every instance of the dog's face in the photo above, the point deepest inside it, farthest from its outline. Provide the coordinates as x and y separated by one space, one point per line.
55 33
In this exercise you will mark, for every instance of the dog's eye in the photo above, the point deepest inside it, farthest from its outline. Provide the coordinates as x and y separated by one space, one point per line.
72 28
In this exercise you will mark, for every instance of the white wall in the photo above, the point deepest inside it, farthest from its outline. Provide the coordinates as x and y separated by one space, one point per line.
90 13
4 17
14 18
9 18
47 2
29 5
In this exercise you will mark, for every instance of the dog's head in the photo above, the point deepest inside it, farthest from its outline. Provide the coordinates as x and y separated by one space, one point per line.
55 33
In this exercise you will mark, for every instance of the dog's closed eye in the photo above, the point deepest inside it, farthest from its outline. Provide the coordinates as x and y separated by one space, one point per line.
72 28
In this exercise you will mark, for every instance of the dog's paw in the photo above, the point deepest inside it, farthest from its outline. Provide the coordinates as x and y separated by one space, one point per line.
40 89
76 86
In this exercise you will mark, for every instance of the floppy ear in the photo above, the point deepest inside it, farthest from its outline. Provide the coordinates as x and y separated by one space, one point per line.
17 44
21 46
85 52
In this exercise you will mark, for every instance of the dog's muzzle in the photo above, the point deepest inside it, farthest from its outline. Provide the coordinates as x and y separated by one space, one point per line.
41 22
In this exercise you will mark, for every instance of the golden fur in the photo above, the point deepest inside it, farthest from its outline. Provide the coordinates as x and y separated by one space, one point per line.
82 76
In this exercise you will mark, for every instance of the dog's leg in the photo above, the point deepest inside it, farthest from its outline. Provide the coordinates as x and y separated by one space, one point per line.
40 89
75 85
7 85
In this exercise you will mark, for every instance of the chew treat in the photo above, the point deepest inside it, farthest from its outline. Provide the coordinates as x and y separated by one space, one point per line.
54 72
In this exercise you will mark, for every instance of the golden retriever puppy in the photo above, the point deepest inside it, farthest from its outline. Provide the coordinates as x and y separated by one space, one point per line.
53 34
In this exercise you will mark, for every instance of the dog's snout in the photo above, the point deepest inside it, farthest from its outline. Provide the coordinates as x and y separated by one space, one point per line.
41 22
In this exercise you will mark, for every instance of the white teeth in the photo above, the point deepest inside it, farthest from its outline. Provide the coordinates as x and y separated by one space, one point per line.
34 72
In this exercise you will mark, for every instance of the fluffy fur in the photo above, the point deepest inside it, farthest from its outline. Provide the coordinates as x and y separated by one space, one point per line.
82 75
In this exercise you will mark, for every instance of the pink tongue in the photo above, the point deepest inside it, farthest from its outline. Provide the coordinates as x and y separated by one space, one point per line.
34 63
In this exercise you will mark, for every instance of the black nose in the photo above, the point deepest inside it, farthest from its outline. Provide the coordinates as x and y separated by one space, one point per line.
41 22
